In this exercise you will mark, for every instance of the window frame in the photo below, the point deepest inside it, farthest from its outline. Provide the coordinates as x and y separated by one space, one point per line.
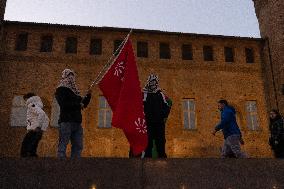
22 41
116 45
71 48
208 53
185 54
249 114
249 54
14 112
55 113
231 57
188 112
104 110
142 49
95 50
164 50
46 44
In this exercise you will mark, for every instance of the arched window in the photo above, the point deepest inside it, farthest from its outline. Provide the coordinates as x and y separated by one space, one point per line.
18 112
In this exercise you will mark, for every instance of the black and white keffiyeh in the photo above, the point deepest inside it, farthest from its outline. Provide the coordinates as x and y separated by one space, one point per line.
68 80
152 85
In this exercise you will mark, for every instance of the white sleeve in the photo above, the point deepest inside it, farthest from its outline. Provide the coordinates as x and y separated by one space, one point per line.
32 117
42 119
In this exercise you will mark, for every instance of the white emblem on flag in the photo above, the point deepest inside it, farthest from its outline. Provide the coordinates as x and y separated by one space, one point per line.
119 69
141 125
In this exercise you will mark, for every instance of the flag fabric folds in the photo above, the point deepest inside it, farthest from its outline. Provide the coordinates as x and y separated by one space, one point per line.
121 88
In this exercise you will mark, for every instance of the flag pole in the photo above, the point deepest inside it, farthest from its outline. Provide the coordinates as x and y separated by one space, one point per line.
110 61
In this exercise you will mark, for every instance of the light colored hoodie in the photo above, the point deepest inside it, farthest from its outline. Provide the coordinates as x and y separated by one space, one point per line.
36 117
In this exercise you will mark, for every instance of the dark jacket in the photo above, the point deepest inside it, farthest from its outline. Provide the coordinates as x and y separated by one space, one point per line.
155 109
276 128
228 122
69 102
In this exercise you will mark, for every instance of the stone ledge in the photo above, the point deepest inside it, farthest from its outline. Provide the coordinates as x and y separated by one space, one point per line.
101 173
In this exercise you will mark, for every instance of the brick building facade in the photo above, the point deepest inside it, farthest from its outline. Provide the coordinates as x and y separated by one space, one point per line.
195 71
270 16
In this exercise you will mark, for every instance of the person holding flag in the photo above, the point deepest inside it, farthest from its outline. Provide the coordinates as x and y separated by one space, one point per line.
70 119
121 87
157 109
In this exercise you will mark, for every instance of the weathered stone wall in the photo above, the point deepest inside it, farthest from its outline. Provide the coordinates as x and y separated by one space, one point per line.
206 82
270 15
109 173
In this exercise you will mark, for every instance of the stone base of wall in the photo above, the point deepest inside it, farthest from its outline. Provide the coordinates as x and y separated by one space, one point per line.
101 173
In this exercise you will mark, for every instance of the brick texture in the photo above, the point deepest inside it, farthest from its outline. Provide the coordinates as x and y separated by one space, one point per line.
270 16
206 82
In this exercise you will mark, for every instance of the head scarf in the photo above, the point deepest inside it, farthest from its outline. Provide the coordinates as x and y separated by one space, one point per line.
152 85
68 80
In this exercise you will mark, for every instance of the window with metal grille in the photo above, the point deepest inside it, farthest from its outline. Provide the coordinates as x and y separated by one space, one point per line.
105 113
186 52
96 47
208 53
22 42
189 120
142 49
229 54
71 45
46 43
252 116
165 51
249 55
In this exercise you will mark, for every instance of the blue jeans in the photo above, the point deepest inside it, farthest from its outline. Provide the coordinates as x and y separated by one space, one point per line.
70 131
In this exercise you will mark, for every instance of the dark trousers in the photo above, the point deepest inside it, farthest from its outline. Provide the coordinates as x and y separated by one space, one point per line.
156 131
30 143
278 150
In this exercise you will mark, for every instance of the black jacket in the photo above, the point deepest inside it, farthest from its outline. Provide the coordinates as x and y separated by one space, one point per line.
276 128
69 102
155 109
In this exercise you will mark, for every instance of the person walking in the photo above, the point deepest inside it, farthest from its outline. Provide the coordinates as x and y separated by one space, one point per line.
70 118
231 131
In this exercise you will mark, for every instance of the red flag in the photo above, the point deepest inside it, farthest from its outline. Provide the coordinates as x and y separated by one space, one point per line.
121 87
